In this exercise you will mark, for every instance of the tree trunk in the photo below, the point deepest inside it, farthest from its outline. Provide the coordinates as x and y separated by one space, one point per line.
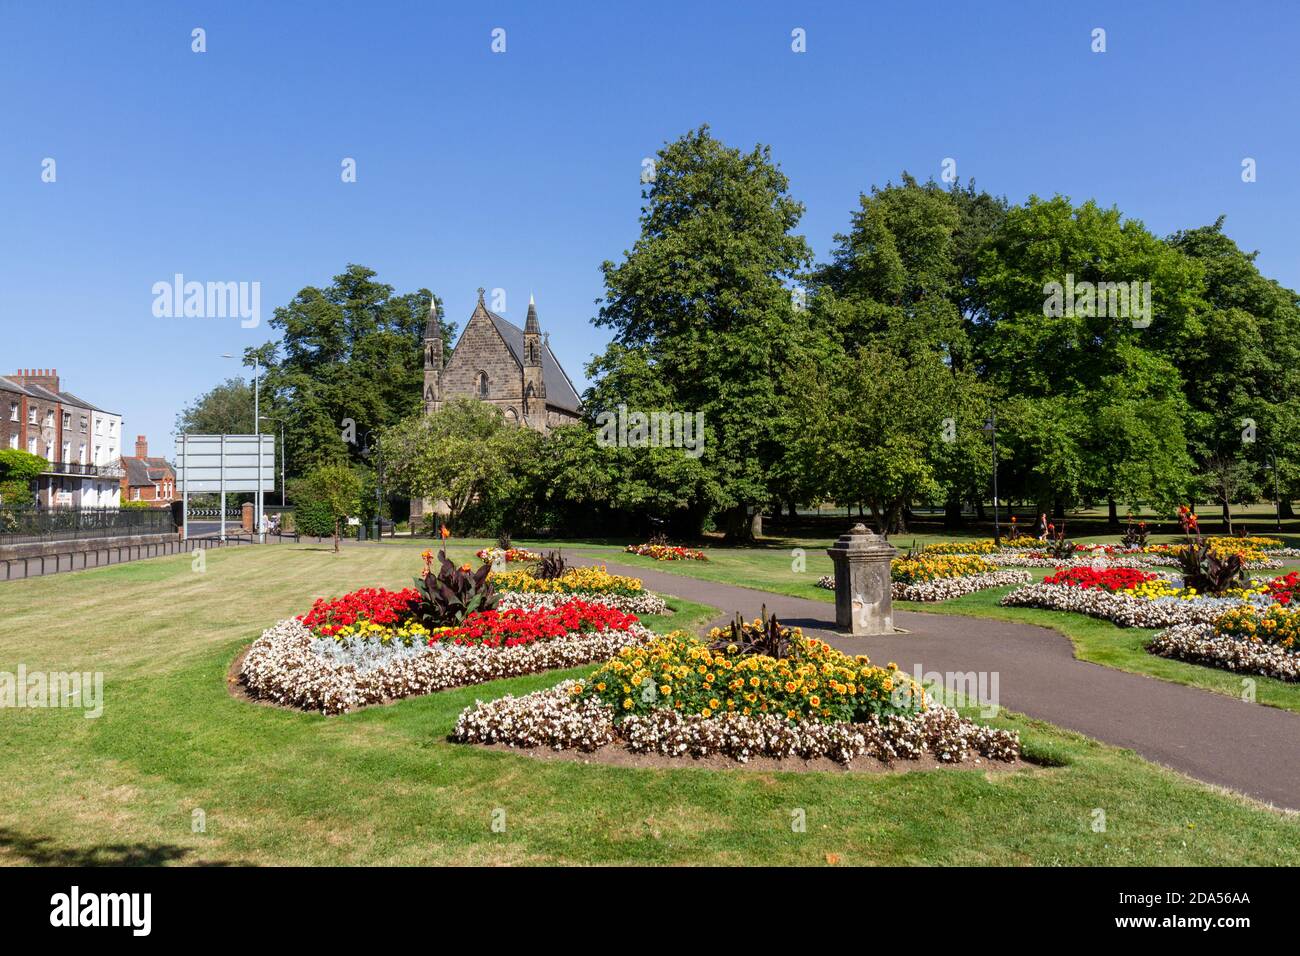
756 524
1113 514
1286 509
738 527
1227 515
336 535
979 509
1058 508
952 513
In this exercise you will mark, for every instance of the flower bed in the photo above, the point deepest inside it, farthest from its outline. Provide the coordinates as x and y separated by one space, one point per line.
644 603
375 611
289 665
679 697
666 552
593 580
941 577
508 555
1245 639
1126 608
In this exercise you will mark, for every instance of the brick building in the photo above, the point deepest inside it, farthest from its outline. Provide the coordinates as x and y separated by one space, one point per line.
501 364
147 479
81 441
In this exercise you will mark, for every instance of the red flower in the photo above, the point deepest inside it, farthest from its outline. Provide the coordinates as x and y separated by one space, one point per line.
1110 579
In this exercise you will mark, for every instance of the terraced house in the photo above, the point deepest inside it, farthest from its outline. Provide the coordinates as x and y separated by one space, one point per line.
81 441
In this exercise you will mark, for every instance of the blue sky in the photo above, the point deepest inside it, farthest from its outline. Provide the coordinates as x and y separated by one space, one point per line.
521 170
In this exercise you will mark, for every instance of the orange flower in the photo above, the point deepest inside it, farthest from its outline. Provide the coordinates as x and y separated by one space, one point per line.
445 533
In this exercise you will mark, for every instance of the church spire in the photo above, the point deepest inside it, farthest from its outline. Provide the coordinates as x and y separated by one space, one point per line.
531 324
432 328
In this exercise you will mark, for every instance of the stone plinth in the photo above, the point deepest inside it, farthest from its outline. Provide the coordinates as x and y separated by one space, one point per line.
863 603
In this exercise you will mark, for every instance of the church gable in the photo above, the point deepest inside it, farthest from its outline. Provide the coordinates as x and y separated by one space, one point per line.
482 352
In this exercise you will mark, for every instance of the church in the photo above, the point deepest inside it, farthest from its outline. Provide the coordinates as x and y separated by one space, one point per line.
499 363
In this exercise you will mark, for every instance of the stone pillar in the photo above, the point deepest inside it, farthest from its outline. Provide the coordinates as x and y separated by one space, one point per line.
863 602
246 514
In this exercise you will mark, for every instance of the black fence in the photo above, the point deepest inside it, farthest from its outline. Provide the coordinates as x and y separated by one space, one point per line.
28 525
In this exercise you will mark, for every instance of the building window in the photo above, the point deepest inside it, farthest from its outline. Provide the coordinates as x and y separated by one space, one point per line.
83 423
98 450
49 451
31 446
81 455
99 426
135 493
49 418
67 419
482 385
13 440
31 415
67 450
13 411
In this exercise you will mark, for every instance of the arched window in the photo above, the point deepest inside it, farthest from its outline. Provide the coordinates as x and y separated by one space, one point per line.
512 416
482 385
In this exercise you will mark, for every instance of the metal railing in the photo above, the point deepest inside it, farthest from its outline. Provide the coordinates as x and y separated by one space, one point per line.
70 468
31 525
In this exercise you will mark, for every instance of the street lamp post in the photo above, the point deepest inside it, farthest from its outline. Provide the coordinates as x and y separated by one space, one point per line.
991 429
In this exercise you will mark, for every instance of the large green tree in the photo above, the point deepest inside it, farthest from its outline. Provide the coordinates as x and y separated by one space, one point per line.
348 364
223 409
1242 369
703 303
467 455
1100 410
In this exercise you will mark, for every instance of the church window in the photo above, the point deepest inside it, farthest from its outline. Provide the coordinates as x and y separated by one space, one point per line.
482 385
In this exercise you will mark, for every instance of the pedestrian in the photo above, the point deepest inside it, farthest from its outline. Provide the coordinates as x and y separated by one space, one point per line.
1042 526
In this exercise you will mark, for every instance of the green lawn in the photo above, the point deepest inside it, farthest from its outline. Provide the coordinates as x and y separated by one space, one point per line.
384 787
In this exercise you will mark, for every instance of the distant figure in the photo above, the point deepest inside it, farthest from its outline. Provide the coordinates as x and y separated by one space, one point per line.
1042 526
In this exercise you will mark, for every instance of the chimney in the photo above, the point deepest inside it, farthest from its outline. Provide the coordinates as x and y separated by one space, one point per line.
44 377
141 446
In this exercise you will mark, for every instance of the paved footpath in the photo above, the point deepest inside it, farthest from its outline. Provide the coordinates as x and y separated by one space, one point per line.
1245 747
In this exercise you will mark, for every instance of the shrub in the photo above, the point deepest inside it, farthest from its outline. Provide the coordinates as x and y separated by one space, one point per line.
451 594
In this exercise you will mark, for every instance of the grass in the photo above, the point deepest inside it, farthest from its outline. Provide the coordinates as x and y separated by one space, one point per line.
383 786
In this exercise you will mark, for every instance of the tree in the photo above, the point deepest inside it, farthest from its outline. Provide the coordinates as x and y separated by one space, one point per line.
900 281
333 491
872 429
465 454
224 409
349 363
702 301
1227 478
1242 370
18 469
1100 410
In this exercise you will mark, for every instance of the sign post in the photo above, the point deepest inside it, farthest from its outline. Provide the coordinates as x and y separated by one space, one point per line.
223 489
223 463
185 492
